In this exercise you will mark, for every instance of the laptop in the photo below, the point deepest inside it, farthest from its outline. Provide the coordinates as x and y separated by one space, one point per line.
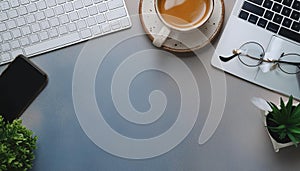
272 24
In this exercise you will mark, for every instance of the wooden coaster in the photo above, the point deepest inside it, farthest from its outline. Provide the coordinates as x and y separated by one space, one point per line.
152 25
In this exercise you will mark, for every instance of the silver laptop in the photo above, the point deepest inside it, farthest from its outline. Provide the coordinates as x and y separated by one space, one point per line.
267 30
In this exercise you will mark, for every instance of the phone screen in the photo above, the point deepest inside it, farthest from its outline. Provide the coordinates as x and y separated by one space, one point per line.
20 83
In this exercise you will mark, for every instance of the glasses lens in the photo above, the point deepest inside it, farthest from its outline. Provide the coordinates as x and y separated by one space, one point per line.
252 54
290 68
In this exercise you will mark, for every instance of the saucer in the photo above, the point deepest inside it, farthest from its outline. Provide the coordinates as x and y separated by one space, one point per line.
152 25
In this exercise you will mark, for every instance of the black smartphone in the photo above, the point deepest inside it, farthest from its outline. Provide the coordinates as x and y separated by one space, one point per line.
20 84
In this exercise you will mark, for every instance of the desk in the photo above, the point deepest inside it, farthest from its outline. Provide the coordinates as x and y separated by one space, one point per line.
239 142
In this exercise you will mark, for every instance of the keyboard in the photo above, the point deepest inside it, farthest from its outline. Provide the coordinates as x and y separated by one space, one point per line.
33 27
278 16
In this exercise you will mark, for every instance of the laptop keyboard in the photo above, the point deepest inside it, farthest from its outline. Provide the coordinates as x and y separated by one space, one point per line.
32 27
278 16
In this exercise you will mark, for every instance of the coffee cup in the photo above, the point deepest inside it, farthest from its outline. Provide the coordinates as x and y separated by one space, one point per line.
181 15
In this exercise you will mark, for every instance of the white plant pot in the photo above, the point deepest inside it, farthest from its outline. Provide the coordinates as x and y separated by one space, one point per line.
276 145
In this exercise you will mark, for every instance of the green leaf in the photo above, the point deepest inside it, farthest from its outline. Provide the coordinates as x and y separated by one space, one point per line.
16 146
293 139
289 105
294 130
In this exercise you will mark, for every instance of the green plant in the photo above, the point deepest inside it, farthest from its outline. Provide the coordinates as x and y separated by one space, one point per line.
285 121
17 144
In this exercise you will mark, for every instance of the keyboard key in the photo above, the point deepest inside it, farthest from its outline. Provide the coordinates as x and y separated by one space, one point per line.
44 35
35 27
53 33
91 22
41 5
72 27
296 5
93 10
59 10
5 47
15 53
115 25
262 22
41 47
74 16
24 41
295 15
102 7
117 13
14 3
25 30
20 21
100 18
81 24
272 27
63 30
40 16
24 2
34 38
112 4
105 27
7 36
88 3
4 5
15 44
69 7
125 22
22 10
12 13
11 24
16 33
287 2
2 27
296 26
277 19
78 4
5 57
54 22
30 19
31 8
64 19
45 25
287 22
278 1
268 4
49 13
289 34
96 30
253 19
269 15
60 1
51 3
86 33
277 7
3 16
253 8
244 15
83 13
286 11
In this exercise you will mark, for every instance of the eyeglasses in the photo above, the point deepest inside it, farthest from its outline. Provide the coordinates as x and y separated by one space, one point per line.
252 54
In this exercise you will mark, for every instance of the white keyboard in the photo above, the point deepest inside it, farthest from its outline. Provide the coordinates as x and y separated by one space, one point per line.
32 27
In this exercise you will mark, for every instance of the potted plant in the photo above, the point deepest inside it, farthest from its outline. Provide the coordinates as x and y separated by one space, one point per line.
17 145
283 124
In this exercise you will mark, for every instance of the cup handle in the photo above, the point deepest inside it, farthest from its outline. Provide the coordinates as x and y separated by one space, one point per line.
161 37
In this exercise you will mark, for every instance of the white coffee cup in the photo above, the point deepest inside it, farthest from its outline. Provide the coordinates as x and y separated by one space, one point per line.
181 15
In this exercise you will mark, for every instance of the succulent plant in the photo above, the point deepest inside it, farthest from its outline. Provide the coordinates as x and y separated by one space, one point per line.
17 145
285 120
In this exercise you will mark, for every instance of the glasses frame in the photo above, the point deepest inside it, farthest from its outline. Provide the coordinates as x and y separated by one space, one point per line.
238 53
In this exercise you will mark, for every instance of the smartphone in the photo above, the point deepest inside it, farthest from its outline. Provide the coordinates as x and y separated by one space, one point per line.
20 83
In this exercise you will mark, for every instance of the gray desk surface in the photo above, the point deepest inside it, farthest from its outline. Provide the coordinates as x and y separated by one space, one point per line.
239 142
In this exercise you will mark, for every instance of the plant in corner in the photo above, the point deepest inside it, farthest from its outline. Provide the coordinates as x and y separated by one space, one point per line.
283 124
17 144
